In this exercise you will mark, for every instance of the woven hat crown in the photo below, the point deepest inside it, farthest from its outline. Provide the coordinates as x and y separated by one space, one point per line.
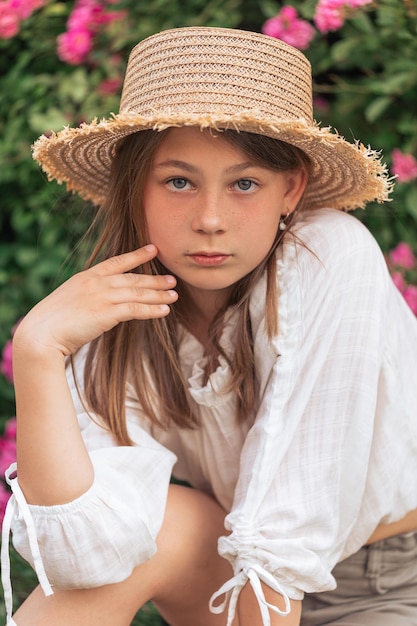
208 71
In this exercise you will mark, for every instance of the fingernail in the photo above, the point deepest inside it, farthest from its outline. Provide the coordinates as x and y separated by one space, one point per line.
150 247
170 280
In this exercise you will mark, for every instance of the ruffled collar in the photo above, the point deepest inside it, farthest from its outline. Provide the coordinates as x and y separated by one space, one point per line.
193 364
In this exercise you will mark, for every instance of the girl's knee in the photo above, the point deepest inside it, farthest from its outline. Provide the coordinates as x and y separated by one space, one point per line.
192 524
190 569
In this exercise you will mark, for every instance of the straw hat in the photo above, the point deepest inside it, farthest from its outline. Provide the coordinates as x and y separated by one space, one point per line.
223 79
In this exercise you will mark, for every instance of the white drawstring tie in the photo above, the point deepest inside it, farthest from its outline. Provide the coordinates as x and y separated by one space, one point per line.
17 502
231 589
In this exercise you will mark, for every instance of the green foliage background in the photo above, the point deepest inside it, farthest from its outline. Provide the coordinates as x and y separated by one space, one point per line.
367 73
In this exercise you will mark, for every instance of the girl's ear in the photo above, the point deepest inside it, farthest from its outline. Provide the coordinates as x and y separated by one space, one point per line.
296 184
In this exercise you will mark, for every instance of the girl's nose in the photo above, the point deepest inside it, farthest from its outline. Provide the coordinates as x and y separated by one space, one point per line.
209 216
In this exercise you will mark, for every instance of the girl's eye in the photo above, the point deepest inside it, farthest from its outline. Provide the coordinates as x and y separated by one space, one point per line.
178 183
245 184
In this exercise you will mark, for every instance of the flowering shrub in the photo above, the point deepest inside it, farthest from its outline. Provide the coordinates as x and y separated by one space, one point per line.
403 265
331 14
363 57
404 166
290 28
7 456
8 430
87 18
13 12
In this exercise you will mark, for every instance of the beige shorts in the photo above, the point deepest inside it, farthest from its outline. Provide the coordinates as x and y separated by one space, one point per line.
377 586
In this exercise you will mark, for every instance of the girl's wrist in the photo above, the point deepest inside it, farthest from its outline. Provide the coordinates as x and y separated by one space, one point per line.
29 348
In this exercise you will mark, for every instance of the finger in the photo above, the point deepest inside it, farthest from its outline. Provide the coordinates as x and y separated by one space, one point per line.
144 281
136 311
126 262
139 295
133 311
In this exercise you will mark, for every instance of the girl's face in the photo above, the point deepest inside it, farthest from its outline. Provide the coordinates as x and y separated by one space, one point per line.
212 213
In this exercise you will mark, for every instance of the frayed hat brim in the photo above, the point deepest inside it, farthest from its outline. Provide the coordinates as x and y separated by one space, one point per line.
344 175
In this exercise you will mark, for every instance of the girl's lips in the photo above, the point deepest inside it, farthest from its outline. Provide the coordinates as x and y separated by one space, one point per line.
209 260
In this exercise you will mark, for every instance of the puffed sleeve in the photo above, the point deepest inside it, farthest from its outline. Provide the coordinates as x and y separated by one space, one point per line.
304 462
100 537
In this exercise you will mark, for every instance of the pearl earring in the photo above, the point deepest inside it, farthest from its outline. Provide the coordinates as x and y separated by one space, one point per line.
282 225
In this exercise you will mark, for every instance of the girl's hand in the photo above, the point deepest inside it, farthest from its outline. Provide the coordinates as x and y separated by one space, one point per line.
94 301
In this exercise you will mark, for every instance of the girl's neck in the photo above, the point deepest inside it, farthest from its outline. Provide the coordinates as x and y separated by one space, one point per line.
199 310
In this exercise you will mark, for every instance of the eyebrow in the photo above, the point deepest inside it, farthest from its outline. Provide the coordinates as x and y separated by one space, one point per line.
234 169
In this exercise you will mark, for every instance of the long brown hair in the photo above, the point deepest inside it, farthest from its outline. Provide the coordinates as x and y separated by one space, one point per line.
146 352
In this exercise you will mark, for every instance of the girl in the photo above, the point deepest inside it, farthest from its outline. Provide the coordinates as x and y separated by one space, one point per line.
232 326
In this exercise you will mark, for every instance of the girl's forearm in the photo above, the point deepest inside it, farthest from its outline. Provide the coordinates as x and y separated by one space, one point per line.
53 464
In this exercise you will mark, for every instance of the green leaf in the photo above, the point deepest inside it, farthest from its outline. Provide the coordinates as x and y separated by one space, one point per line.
411 200
374 110
26 257
75 86
56 9
341 50
269 8
53 119
363 23
397 83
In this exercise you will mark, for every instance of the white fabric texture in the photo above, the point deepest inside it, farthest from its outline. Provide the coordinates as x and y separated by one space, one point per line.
331 452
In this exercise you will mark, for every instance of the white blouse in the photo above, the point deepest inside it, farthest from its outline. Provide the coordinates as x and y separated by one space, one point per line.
330 454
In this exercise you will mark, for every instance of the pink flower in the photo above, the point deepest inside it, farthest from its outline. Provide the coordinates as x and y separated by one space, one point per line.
11 428
91 14
329 15
8 446
288 27
410 296
109 86
113 16
7 454
6 366
86 15
9 21
86 19
25 8
402 256
404 166
399 281
4 497
74 46
12 12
